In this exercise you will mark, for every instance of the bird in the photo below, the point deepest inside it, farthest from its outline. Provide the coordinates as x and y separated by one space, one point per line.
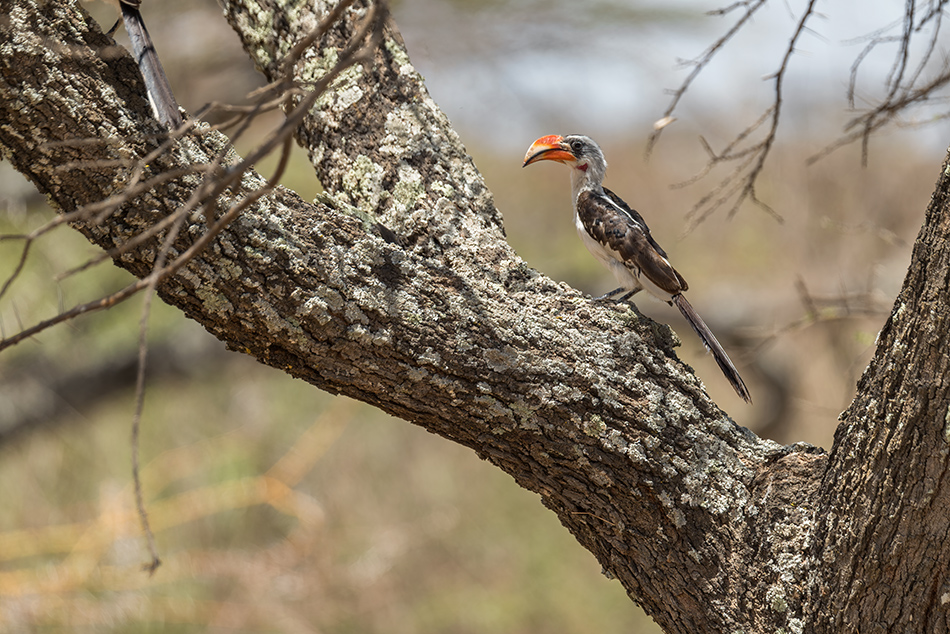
160 95
619 238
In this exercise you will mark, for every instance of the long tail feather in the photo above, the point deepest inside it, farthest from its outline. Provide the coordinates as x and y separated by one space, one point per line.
712 344
156 83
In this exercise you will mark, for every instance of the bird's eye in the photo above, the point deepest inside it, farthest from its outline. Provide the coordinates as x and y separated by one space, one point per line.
576 146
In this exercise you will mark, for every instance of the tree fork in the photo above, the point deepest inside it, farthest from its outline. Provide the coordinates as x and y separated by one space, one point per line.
708 527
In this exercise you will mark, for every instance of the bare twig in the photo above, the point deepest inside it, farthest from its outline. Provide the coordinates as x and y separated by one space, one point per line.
903 86
215 183
749 154
216 179
822 310
705 58
865 125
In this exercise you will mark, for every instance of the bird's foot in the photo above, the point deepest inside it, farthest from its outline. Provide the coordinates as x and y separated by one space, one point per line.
608 295
614 292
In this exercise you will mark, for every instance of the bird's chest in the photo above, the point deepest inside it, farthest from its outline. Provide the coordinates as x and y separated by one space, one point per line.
627 277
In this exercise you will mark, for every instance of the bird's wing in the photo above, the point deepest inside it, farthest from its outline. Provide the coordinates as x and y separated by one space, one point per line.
623 231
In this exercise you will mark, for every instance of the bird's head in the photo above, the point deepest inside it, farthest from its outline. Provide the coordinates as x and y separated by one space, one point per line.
574 150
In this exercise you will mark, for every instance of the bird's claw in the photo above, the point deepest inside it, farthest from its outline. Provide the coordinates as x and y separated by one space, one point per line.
606 296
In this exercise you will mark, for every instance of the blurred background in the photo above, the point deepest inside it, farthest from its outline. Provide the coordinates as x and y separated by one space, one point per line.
278 508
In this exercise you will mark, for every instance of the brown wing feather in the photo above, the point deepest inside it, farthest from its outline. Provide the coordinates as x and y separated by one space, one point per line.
621 229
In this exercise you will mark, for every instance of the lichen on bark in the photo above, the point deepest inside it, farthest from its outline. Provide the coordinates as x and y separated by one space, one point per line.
396 286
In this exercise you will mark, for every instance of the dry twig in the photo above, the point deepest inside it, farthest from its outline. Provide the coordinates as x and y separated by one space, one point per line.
216 179
906 85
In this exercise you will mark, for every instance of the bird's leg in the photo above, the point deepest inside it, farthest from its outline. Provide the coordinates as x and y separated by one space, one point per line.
618 290
608 295
115 27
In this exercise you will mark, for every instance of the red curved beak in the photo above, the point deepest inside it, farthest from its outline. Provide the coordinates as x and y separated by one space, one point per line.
548 148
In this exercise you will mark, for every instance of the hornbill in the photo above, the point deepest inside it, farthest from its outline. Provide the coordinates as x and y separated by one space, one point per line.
619 238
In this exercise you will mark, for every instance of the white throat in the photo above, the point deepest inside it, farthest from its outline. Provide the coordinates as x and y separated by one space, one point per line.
584 180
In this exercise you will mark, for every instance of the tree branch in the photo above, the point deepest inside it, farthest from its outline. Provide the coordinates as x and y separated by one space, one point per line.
396 287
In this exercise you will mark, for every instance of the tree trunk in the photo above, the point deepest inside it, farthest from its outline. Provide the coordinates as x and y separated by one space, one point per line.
879 556
398 288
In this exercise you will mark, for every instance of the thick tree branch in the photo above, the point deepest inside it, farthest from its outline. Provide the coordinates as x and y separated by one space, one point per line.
397 288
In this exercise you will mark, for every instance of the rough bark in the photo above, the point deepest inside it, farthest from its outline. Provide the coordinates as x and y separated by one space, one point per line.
881 561
708 527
